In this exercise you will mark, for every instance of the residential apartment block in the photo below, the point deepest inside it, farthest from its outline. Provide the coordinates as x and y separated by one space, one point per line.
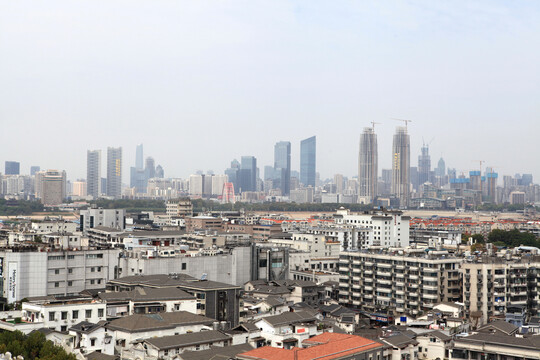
398 280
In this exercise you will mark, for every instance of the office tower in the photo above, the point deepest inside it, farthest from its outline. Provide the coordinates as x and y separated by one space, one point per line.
413 175
268 172
114 172
368 165
34 170
401 154
12 168
93 173
139 156
282 166
452 173
526 179
424 165
308 161
53 187
160 173
338 181
247 174
441 168
150 168
137 173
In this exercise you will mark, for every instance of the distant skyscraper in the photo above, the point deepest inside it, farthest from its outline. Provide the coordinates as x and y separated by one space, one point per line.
34 170
368 161
139 156
424 165
282 166
441 168
150 168
114 172
401 155
53 187
160 173
12 168
93 173
308 161
268 172
247 175
137 173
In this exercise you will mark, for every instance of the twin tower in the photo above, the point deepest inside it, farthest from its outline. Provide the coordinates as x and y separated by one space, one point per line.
368 166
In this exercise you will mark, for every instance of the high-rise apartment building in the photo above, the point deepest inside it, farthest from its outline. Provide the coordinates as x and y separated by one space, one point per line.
410 281
308 161
12 168
282 166
368 165
53 187
424 165
93 173
401 160
114 172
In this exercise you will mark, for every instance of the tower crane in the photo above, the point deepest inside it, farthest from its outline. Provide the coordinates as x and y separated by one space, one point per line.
404 120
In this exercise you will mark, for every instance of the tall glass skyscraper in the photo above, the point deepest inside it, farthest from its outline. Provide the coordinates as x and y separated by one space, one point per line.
401 162
308 161
12 168
247 174
368 165
282 166
139 157
114 172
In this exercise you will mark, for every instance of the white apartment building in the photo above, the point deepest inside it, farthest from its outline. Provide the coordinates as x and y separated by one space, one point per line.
46 227
111 218
61 314
34 273
398 281
385 228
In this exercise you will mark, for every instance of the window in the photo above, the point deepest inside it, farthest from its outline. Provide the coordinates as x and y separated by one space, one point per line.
184 266
63 328
70 271
100 313
99 268
88 313
64 315
92 282
75 314
71 257
51 316
92 342
57 271
70 283
56 284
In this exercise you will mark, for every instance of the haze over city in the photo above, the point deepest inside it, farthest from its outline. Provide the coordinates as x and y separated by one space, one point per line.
202 83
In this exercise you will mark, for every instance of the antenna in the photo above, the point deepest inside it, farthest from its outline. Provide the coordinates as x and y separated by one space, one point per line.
404 120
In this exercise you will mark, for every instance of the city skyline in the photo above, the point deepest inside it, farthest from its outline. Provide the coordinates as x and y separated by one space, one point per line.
429 63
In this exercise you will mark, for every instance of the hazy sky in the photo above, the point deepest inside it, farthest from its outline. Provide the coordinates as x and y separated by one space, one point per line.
203 82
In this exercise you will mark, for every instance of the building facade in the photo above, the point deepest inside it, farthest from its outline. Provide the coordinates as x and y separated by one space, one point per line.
93 173
401 155
368 166
114 172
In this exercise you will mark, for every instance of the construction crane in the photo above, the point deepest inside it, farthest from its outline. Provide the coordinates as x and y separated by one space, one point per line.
373 124
481 162
404 120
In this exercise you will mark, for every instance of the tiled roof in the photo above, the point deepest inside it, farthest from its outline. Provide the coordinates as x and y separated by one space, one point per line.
326 346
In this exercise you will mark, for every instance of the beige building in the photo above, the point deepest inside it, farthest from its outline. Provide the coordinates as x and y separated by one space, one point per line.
179 208
493 284
52 187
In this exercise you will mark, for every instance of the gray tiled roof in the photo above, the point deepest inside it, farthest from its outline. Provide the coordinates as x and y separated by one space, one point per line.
147 294
216 353
289 318
501 339
499 325
178 341
167 320
399 341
